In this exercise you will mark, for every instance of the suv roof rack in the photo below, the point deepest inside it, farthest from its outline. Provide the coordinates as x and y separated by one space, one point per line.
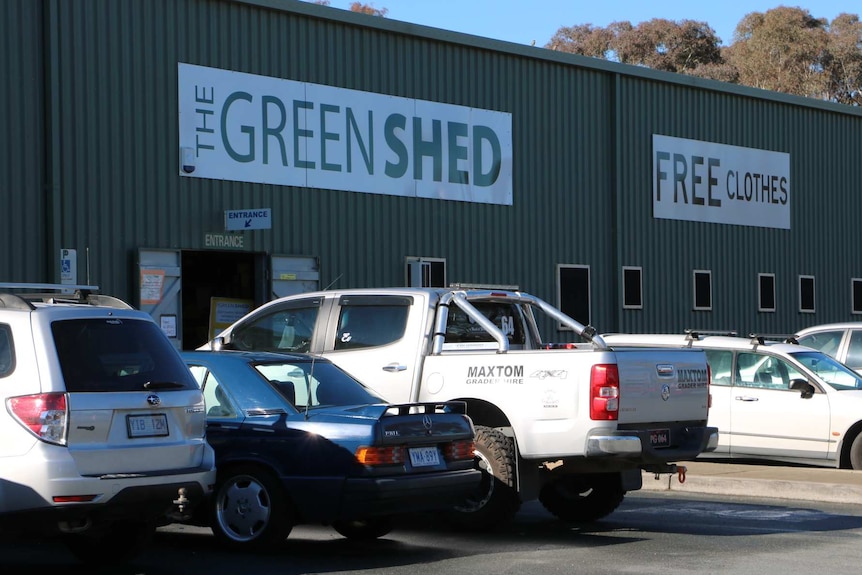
762 338
30 292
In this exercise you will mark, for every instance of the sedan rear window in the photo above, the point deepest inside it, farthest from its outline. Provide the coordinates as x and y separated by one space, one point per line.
100 355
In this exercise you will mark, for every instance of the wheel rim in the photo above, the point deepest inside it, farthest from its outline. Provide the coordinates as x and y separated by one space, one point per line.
243 508
480 497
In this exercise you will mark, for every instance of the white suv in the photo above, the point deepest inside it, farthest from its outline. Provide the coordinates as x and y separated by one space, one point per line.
775 399
103 431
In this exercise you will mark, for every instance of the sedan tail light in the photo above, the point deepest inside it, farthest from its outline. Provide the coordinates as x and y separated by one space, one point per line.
44 414
458 450
380 455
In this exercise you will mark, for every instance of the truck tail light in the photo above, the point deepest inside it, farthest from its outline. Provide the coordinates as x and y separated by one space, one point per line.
458 450
604 392
380 455
43 414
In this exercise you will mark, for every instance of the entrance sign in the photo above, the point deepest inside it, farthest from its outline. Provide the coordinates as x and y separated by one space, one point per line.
236 220
717 183
251 128
224 241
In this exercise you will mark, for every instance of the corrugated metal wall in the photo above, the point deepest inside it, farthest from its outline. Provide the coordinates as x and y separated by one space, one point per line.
825 201
23 229
581 134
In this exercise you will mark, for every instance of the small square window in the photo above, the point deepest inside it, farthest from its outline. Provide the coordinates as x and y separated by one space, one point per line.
632 288
426 272
702 284
806 294
857 295
766 292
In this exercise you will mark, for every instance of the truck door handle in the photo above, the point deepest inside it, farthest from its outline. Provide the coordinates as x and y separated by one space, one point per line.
394 368
746 398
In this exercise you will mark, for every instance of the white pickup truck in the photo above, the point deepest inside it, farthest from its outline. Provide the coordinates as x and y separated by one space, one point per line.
571 424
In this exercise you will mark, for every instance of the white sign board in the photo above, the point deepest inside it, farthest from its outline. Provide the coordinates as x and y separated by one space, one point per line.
235 220
250 128
716 183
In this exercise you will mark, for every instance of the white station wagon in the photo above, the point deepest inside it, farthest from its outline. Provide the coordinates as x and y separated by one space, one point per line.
774 400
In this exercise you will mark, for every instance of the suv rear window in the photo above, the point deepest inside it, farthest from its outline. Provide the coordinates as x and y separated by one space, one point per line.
117 355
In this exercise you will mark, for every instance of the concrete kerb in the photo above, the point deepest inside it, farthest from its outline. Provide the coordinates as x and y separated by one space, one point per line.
803 484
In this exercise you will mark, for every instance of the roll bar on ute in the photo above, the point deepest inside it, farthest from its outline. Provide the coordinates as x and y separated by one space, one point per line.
461 299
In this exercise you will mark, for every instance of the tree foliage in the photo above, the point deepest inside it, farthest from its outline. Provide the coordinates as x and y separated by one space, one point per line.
783 49
360 7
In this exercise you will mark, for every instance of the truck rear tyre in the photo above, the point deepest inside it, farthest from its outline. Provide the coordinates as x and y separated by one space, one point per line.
583 498
496 499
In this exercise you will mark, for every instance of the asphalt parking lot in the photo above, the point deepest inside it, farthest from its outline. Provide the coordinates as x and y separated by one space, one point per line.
758 480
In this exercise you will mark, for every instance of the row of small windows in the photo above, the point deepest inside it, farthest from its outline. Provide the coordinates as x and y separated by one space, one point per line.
573 287
702 292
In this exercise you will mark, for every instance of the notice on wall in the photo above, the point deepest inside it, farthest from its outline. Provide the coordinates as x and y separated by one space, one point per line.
251 128
701 181
224 311
168 323
152 282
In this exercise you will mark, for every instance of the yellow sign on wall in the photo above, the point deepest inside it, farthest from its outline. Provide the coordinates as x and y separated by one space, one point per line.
224 311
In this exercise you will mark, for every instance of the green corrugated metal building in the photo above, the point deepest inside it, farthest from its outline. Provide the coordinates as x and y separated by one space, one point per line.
199 157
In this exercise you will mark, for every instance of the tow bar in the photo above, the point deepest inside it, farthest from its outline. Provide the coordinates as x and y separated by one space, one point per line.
670 468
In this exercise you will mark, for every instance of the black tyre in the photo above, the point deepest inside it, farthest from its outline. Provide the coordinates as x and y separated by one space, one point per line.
364 529
250 510
112 544
856 453
496 500
583 498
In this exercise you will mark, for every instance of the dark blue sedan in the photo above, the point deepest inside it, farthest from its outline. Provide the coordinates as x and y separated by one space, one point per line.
298 440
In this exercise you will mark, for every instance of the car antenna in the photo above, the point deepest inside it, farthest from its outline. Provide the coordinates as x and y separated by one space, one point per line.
332 283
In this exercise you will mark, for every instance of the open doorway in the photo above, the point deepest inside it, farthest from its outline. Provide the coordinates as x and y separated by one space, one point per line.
211 276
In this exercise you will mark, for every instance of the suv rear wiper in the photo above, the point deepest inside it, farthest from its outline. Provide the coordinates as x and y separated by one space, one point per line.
163 385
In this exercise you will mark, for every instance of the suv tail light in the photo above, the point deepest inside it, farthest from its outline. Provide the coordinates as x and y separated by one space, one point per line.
604 392
44 414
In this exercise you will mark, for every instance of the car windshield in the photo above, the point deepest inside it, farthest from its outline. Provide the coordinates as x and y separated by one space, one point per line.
830 370
311 384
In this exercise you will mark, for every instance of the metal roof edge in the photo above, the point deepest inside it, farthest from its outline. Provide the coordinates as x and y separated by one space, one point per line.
536 52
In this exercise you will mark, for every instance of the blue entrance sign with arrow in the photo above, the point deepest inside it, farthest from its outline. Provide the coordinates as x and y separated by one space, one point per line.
238 220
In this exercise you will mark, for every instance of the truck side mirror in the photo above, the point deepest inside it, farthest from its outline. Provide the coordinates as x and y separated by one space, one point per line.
806 389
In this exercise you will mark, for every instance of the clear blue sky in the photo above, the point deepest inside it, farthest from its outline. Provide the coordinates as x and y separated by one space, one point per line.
523 21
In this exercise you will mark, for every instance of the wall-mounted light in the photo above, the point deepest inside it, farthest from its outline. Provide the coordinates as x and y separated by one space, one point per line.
187 160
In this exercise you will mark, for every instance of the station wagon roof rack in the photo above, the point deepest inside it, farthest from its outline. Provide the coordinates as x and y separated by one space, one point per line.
762 338
696 334
26 293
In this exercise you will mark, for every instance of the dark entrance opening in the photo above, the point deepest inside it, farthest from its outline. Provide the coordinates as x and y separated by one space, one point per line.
212 274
